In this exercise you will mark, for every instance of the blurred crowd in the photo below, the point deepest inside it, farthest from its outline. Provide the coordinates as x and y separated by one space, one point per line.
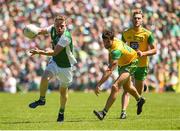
86 20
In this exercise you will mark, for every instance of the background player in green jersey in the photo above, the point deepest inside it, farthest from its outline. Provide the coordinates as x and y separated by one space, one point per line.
60 65
141 40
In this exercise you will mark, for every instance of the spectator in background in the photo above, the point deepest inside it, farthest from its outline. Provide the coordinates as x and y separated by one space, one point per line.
172 83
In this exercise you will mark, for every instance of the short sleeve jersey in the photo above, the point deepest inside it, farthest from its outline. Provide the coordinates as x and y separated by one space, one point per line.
139 40
65 58
122 52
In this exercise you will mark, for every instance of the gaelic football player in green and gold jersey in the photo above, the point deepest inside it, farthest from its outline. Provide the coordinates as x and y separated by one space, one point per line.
125 58
141 40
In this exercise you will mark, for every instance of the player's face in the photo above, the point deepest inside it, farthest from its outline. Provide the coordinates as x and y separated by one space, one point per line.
137 20
107 43
60 26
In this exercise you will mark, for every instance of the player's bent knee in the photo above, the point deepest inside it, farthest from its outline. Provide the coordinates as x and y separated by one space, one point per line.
47 75
64 95
115 87
125 93
65 85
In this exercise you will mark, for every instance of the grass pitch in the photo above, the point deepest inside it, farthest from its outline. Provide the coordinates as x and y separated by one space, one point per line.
161 112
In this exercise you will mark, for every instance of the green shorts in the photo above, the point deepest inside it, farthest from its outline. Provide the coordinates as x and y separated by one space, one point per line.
141 73
131 68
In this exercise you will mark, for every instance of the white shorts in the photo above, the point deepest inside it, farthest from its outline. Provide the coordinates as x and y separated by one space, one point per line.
64 75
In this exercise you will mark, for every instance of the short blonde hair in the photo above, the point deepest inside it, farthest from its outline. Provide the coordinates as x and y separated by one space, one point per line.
60 18
137 11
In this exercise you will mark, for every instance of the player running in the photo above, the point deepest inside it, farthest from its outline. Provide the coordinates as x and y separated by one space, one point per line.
141 40
125 58
59 66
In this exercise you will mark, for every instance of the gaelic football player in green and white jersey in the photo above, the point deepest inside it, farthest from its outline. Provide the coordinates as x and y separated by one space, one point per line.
60 65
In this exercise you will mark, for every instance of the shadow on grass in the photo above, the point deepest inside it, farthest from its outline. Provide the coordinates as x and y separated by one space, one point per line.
25 122
30 122
75 120
93 120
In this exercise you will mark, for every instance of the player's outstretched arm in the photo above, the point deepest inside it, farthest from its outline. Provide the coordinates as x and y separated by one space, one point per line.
106 75
42 31
49 52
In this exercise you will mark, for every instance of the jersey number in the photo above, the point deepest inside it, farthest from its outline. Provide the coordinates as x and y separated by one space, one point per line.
134 45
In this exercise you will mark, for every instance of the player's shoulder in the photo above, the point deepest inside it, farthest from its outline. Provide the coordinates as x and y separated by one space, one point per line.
127 30
117 40
50 28
116 43
146 31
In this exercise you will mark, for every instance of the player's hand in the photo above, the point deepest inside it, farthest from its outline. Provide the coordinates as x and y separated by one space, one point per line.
34 51
140 53
97 90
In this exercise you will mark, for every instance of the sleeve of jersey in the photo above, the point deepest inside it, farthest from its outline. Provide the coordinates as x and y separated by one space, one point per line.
49 28
151 39
64 41
116 54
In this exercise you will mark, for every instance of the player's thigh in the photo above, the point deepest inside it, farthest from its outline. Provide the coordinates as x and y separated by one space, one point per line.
47 75
65 76
139 84
140 76
126 71
50 70
127 83
141 73
123 77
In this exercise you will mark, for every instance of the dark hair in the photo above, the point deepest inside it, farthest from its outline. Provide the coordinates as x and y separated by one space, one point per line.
108 34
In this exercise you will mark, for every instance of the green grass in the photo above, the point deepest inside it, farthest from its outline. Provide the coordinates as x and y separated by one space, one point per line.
161 111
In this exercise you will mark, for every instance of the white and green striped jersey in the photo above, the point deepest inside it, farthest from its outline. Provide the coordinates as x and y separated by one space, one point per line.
65 58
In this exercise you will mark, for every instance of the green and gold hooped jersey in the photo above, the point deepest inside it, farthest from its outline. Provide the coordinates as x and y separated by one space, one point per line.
65 58
121 52
139 40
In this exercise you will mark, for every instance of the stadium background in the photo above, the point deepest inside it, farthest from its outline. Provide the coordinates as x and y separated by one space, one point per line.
87 18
